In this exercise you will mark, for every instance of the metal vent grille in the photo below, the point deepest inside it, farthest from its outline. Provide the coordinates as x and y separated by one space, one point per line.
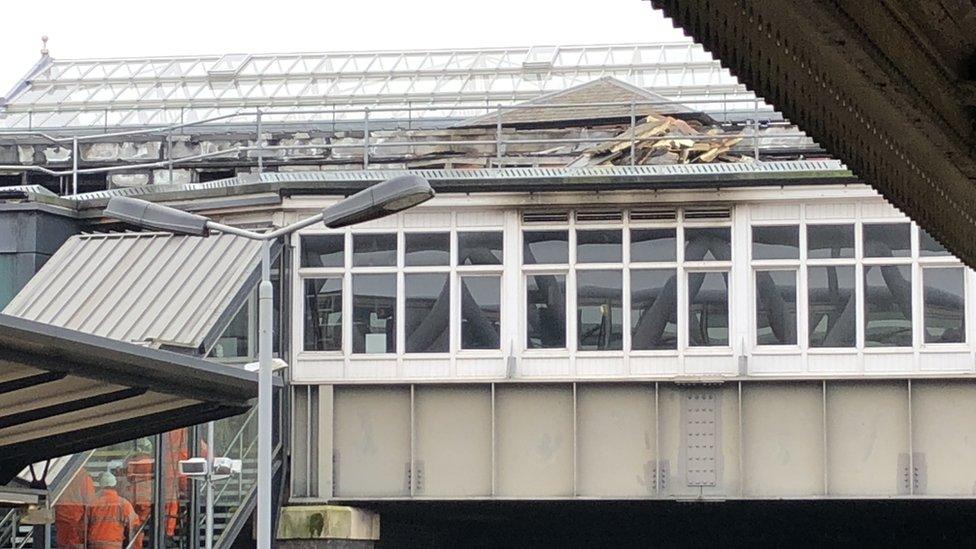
654 214
545 217
709 212
599 216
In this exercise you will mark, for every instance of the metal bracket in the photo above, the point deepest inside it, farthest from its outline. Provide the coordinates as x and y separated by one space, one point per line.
912 474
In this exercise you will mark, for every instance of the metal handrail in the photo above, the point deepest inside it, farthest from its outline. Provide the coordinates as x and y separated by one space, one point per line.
369 114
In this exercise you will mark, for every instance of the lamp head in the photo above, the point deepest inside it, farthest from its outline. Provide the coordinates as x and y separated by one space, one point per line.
156 216
380 200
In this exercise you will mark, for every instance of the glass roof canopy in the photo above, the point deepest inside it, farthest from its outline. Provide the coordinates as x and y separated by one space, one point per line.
433 85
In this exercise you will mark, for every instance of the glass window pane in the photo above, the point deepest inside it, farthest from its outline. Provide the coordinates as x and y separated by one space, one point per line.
427 313
888 306
776 242
776 307
233 343
323 314
545 247
599 246
945 305
546 311
374 313
599 310
481 248
830 241
653 309
887 240
480 312
325 250
708 309
374 250
708 244
832 307
653 245
427 249
928 246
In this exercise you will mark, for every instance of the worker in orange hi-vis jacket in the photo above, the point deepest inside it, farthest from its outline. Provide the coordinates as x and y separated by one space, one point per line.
136 484
71 512
112 522
175 487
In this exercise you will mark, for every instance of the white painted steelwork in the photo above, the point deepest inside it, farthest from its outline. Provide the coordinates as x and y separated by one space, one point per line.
126 92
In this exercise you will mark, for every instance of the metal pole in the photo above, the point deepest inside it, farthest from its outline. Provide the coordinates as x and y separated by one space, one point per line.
265 294
755 128
366 138
169 156
260 143
209 531
633 131
498 138
74 165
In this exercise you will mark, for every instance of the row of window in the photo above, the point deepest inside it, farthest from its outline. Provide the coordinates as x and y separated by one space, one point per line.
830 268
628 287
427 279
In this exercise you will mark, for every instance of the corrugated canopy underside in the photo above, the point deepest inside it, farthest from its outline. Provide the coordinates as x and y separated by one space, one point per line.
155 289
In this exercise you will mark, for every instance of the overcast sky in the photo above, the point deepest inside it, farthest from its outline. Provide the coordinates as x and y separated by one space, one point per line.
109 28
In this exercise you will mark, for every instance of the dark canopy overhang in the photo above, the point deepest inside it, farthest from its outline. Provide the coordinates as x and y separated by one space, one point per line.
887 87
64 391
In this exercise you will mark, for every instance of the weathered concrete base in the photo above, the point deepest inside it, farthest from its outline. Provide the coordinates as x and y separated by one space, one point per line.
327 526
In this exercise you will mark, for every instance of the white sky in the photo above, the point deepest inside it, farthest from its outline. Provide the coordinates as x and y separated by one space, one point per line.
132 28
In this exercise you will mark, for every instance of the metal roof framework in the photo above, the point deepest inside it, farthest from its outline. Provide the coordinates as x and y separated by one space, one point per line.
100 93
155 289
64 391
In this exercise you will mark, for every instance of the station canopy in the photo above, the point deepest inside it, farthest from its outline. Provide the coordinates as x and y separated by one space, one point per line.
105 343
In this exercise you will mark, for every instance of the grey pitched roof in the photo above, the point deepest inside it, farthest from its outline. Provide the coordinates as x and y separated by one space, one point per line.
154 289
544 109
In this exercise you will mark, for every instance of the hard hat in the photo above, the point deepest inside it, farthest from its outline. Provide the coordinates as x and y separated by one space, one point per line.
106 480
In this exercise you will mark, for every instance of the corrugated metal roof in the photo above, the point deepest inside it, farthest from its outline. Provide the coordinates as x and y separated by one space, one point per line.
157 289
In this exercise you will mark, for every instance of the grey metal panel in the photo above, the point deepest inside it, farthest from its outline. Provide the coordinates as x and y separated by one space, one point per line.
944 436
616 432
782 439
534 429
867 431
140 287
371 452
453 441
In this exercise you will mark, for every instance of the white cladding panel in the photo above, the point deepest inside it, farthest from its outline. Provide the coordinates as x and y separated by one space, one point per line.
617 440
944 437
453 438
867 438
788 459
535 440
372 441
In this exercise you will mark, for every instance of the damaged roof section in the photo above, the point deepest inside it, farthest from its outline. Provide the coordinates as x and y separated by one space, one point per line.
154 289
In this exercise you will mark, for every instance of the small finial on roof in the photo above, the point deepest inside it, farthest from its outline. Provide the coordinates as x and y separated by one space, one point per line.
44 50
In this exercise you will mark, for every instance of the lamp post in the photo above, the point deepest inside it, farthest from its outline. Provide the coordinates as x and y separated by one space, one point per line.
380 200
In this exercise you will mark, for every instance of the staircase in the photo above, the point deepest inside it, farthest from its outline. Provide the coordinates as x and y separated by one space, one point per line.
231 495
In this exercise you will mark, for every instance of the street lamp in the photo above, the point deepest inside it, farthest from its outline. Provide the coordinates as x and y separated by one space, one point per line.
390 196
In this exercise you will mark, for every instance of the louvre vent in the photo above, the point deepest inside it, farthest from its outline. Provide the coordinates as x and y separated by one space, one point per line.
654 214
709 212
545 217
599 216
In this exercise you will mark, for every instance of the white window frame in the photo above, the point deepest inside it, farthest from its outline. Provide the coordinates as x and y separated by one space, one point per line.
681 268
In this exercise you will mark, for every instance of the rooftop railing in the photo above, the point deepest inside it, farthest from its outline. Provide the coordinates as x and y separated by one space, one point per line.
371 149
